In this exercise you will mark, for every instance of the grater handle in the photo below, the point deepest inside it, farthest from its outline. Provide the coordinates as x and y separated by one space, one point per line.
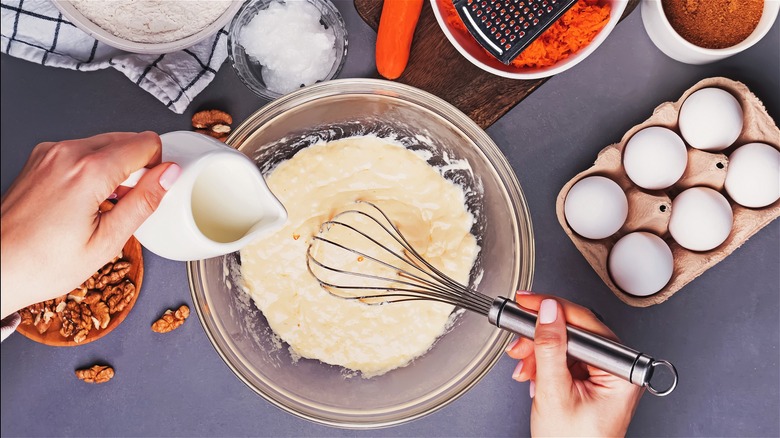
600 352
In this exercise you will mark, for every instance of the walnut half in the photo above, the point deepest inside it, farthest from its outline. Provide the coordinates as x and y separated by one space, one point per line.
96 374
171 320
214 123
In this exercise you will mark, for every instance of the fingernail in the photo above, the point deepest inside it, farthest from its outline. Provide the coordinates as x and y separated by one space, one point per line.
512 345
523 292
518 369
113 196
532 389
170 176
548 311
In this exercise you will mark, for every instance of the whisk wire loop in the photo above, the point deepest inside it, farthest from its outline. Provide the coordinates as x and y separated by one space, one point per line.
417 280
431 286
397 294
421 289
396 234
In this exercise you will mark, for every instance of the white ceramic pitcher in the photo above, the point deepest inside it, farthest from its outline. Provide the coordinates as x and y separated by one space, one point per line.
219 203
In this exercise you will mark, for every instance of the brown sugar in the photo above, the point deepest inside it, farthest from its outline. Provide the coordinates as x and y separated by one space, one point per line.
713 24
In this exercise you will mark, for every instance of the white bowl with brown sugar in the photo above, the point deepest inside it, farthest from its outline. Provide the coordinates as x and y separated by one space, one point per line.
704 31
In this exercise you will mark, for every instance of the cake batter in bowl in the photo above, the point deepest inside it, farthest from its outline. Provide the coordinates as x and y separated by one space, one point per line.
321 181
461 152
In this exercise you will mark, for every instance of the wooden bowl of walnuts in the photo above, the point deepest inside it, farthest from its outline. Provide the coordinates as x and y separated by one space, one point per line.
92 310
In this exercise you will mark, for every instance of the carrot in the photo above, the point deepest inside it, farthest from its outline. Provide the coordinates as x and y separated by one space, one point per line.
394 37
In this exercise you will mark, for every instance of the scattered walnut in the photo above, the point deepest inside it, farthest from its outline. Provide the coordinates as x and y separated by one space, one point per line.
214 123
171 320
96 374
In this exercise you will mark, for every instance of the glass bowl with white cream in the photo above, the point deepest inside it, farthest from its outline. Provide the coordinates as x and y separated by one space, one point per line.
277 46
398 122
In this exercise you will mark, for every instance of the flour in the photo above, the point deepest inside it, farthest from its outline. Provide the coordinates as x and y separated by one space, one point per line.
152 21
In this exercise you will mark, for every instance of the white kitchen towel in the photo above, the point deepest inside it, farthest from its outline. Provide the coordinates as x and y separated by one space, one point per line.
36 31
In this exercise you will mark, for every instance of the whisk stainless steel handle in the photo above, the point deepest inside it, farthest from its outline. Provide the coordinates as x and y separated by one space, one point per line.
595 350
409 277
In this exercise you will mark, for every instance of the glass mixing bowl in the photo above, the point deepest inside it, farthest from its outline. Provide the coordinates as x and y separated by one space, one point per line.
458 360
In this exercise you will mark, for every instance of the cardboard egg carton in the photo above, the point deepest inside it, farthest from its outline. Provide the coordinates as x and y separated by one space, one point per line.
650 210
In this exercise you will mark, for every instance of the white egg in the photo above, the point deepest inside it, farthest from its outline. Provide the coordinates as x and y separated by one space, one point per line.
595 207
655 158
701 219
710 119
641 263
753 178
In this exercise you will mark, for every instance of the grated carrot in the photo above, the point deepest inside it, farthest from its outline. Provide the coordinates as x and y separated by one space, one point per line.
573 31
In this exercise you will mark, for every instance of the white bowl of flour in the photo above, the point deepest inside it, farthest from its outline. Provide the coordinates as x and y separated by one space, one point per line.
149 26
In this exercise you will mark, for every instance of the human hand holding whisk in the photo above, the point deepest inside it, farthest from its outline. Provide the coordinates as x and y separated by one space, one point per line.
570 397
396 272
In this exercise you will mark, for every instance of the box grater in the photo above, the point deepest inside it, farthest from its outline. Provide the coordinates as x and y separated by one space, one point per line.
506 27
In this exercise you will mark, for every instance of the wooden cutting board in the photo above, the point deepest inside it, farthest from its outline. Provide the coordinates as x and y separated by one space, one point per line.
436 67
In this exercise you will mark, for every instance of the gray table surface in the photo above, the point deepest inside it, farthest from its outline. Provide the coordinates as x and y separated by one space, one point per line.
721 330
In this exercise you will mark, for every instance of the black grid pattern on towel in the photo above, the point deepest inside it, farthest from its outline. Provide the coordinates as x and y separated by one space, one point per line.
52 30
205 67
48 24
